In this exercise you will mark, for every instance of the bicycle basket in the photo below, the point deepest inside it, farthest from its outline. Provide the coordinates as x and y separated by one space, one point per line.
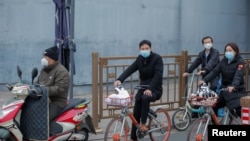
204 97
211 101
111 100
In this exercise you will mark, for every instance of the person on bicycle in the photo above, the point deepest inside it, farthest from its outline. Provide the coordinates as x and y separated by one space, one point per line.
231 68
150 67
208 58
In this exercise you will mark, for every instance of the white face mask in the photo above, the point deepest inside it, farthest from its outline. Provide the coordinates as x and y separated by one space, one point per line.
44 62
208 45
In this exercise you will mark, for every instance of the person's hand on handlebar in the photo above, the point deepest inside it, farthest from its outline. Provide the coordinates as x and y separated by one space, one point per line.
200 82
116 83
185 74
201 72
230 89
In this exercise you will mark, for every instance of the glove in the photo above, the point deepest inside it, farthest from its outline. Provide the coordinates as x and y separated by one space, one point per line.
35 91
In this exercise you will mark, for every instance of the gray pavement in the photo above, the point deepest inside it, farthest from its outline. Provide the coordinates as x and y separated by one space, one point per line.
175 135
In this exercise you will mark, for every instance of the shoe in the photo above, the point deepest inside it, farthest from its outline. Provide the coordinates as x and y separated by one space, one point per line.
144 128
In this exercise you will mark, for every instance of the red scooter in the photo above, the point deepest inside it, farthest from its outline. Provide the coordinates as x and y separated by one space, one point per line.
25 117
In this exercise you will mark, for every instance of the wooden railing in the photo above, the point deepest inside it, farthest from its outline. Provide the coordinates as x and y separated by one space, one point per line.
106 69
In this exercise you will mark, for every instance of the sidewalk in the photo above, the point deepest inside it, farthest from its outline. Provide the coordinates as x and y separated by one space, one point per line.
175 135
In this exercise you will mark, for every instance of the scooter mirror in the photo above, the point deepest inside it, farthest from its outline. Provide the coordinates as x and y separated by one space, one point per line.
34 74
19 72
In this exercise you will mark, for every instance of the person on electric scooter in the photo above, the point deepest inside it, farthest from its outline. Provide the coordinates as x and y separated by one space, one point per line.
55 77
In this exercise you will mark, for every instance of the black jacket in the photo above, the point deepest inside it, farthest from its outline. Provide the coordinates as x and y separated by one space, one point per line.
232 73
207 63
150 69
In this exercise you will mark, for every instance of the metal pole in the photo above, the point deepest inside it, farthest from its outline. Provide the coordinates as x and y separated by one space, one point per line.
70 5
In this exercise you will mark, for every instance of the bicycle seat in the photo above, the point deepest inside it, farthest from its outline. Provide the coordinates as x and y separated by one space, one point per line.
152 113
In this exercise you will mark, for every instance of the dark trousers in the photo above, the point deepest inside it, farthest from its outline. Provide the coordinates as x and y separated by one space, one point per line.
231 100
54 111
141 109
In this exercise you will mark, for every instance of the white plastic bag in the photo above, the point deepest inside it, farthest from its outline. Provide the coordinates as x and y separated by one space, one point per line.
120 99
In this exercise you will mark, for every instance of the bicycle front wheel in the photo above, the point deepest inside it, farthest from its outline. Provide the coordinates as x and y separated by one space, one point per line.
160 127
115 131
199 130
181 119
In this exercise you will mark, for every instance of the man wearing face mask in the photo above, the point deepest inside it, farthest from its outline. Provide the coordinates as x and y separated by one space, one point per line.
150 67
56 79
208 59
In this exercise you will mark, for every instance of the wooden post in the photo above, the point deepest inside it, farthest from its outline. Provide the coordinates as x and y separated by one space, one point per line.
183 81
95 98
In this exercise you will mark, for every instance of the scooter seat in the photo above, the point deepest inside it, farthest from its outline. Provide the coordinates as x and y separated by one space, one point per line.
55 128
72 103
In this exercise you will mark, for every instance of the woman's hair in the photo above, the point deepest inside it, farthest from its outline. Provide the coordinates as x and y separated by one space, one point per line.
234 46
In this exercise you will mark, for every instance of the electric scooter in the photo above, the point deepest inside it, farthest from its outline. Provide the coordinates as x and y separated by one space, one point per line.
74 122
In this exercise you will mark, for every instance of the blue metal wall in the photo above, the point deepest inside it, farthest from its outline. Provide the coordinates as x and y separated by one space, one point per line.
115 27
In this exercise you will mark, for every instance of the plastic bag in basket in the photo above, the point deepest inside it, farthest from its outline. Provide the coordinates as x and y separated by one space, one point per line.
120 99
204 96
204 92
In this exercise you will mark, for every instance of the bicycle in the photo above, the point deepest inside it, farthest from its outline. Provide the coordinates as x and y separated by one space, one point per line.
158 123
199 130
182 118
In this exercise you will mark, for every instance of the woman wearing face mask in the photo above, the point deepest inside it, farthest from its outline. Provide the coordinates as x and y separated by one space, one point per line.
231 68
150 66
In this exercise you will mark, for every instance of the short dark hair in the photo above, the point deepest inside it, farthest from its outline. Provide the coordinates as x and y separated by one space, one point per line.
207 37
145 42
234 46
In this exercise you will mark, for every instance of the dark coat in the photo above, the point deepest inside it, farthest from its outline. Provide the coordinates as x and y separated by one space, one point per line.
207 63
151 72
232 74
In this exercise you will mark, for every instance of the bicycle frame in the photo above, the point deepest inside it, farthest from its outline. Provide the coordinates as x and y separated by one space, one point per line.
182 117
158 124
199 129
126 112
188 107
210 115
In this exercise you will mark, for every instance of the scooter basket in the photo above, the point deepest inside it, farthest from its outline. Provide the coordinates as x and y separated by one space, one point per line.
118 102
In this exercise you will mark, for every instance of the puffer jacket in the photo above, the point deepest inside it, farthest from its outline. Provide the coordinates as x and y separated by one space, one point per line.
232 74
56 79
